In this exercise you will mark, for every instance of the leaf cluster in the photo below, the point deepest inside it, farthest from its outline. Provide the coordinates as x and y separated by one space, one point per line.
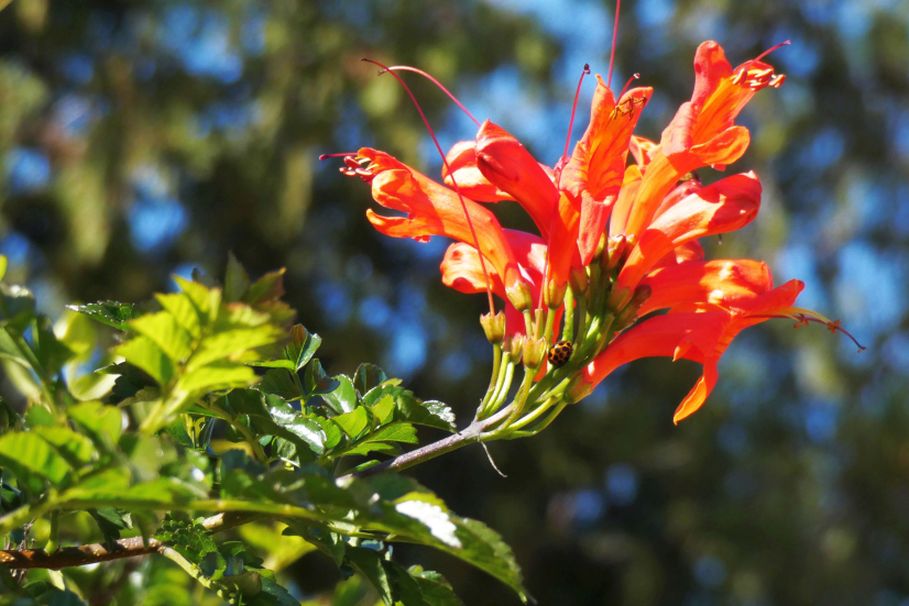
203 422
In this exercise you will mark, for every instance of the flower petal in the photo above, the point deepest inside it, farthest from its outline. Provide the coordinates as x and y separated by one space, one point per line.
721 207
509 166
460 171
435 210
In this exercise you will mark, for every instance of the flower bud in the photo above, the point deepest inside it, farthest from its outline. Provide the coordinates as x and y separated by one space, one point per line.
493 326
555 294
535 351
514 346
617 250
519 296
627 315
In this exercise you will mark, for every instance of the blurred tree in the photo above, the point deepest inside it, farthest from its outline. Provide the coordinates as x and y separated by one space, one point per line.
148 137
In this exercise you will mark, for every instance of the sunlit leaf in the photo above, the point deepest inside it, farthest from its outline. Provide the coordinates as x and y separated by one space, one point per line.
112 313
27 453
142 353
101 421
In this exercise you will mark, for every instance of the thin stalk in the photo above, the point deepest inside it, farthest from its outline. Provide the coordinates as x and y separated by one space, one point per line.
494 376
568 318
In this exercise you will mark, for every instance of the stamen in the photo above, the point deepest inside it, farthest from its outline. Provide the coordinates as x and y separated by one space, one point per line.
772 49
634 76
574 108
416 70
435 140
615 37
337 155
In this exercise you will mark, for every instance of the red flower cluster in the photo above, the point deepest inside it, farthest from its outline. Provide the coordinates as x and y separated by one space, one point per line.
623 237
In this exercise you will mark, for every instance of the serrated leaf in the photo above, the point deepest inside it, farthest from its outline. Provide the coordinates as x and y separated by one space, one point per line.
142 353
368 376
369 563
305 344
27 453
343 398
293 421
236 280
384 409
215 376
207 301
434 588
164 330
104 423
354 422
183 311
316 381
75 448
269 287
111 313
231 343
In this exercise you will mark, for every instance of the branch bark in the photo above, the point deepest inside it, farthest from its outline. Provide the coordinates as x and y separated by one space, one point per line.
97 552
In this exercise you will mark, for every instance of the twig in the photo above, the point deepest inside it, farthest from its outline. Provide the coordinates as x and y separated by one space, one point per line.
97 552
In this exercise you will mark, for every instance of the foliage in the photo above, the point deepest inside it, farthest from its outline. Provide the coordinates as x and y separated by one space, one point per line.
210 404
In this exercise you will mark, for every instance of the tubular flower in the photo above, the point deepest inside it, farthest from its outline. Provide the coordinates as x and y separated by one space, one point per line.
615 271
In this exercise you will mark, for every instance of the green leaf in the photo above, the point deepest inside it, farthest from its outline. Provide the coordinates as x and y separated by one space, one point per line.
27 453
183 311
164 330
216 376
3 266
316 381
236 280
110 313
434 588
368 376
304 345
75 448
384 439
142 353
307 430
102 422
354 422
370 564
343 397
49 351
206 301
230 343
417 514
269 287
17 306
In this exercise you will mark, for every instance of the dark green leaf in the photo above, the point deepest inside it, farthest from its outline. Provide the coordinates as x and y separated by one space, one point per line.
368 376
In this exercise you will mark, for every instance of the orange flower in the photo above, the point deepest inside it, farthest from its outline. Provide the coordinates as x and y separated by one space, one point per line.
624 237
698 327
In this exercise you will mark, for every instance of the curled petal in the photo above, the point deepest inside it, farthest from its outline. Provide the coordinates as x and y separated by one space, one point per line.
700 337
724 206
461 171
509 166
432 209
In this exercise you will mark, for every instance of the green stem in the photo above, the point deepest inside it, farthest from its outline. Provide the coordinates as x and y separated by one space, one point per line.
494 376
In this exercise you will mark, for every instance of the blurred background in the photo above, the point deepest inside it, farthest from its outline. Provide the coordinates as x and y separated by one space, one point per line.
145 138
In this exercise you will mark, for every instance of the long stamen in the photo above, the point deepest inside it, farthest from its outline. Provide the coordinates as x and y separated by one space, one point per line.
435 140
615 37
431 78
574 109
773 48
336 155
634 76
